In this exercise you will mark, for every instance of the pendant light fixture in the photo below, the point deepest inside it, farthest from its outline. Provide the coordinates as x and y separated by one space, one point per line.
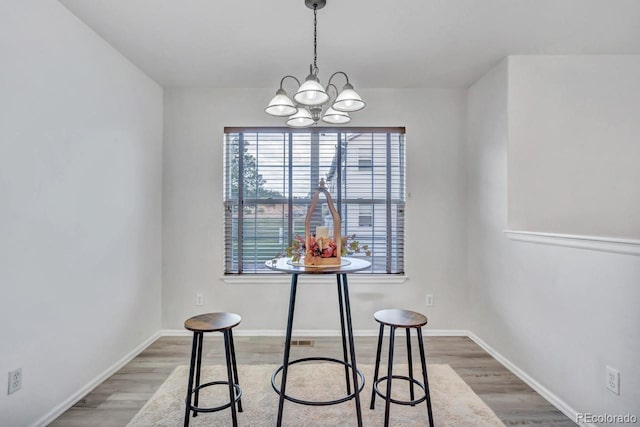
311 98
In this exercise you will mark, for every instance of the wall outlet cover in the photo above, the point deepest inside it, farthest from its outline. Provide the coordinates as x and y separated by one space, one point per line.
15 381
613 380
429 300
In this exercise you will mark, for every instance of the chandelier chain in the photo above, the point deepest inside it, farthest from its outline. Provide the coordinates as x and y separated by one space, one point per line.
315 38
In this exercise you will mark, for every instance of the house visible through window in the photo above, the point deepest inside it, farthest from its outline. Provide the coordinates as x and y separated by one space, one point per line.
271 174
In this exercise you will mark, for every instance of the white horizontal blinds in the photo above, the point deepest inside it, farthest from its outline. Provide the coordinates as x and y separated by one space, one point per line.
231 165
266 201
372 193
281 169
265 198
397 200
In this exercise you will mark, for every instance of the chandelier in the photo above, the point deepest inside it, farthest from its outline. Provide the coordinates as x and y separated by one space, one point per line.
311 98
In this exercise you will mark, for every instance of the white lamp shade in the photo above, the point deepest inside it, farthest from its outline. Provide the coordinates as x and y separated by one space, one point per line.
348 100
281 105
336 117
301 119
311 93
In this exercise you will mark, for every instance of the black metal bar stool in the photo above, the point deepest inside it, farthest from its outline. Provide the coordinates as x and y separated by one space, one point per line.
406 320
212 322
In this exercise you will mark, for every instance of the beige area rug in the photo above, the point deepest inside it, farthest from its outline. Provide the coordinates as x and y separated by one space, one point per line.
454 403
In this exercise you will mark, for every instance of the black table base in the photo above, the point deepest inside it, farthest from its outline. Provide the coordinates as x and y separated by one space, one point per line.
349 396
348 352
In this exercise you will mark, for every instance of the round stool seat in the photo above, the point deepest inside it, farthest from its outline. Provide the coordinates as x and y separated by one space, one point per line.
400 318
212 322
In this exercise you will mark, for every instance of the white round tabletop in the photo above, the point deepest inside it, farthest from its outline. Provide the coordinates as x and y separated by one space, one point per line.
349 265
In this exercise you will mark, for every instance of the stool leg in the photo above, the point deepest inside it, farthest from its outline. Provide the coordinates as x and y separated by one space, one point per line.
232 390
344 339
235 367
375 375
198 368
389 376
410 364
424 374
192 367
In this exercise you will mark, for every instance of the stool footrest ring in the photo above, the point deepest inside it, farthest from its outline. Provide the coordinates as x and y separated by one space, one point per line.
401 402
323 402
215 408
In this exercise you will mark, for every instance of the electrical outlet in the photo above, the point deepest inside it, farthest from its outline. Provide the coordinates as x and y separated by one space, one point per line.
15 381
429 300
199 299
613 380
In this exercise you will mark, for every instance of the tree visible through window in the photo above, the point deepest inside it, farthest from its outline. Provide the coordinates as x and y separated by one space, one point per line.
268 188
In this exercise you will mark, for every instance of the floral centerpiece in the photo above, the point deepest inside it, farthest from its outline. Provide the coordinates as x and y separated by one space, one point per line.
324 248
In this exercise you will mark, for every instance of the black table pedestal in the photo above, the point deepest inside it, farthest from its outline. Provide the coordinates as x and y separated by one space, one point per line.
345 313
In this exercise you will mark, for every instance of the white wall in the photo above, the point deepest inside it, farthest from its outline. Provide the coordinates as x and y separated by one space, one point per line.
193 212
574 144
83 171
80 206
560 314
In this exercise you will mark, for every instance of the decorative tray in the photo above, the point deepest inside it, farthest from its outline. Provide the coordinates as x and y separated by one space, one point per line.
300 263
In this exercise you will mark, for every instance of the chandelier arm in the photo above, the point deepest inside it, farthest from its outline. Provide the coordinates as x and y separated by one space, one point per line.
293 77
326 89
338 72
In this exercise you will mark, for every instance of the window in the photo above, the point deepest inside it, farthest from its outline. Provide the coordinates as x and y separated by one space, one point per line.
365 215
365 162
269 186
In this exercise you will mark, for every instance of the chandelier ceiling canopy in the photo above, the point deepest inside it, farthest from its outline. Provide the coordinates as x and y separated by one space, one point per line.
311 98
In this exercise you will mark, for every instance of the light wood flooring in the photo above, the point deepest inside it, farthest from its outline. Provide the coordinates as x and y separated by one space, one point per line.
118 399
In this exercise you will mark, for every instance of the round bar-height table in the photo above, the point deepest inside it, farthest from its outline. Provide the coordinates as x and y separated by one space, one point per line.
348 265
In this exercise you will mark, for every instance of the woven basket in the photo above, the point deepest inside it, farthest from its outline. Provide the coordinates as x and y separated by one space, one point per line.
309 257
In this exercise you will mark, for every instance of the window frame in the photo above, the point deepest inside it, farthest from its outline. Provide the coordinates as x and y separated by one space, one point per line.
289 200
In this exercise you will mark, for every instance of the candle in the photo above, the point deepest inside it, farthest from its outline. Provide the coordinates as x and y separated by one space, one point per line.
322 231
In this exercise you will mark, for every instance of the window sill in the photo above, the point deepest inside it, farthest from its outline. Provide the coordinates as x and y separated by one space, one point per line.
285 279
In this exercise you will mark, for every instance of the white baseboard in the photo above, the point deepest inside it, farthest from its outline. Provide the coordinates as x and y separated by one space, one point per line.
539 388
316 333
75 397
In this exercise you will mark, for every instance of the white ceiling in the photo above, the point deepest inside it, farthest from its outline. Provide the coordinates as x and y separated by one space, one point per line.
379 43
